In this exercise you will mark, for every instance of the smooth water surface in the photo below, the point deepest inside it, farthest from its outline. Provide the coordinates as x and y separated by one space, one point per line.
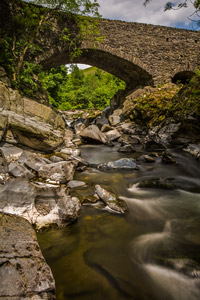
152 253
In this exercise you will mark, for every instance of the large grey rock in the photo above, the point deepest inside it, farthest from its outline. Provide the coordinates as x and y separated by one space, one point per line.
20 171
24 273
116 117
112 135
194 150
71 151
32 160
75 183
11 152
30 123
126 149
3 168
92 133
41 204
111 200
123 163
60 172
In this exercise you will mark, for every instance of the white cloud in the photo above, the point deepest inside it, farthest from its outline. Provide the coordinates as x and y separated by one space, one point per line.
153 13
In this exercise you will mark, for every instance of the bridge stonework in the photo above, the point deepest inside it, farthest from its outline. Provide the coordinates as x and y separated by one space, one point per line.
139 54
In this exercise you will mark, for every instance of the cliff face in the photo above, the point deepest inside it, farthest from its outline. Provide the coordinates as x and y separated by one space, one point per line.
27 122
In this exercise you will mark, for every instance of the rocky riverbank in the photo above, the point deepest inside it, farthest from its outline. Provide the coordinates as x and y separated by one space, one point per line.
39 155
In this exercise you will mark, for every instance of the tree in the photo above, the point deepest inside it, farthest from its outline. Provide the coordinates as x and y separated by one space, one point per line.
195 17
29 18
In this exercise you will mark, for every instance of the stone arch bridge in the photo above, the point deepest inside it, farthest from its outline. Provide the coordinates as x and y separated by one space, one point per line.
139 54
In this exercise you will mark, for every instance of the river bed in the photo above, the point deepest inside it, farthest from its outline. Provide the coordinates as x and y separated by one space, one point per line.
151 253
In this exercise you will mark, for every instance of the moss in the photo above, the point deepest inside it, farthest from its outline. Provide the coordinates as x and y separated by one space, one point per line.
166 101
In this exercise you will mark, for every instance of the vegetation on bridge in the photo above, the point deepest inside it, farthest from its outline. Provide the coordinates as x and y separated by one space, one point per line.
19 44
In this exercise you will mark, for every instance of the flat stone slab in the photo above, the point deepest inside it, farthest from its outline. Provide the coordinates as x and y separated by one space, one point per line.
24 273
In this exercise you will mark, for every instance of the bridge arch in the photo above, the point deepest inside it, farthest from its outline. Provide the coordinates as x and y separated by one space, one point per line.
183 76
129 69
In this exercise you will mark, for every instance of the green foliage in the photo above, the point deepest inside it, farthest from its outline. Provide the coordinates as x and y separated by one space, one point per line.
77 91
169 100
17 48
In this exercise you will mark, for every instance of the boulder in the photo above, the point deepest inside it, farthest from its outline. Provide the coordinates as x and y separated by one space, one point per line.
106 128
3 168
20 171
146 158
126 149
41 204
112 135
71 151
79 127
75 183
123 163
111 200
24 272
116 117
194 150
60 172
129 139
31 160
152 145
161 183
167 158
29 122
11 153
92 133
55 159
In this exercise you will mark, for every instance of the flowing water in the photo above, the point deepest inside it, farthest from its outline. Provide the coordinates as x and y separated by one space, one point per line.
151 253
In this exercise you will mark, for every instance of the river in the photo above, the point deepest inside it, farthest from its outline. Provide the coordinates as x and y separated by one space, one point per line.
151 253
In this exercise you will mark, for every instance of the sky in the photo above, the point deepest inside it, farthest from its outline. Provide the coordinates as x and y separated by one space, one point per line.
153 13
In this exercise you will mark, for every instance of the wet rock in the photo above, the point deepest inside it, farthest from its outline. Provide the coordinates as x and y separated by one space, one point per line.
146 158
60 172
75 183
41 204
194 150
111 200
31 160
92 133
116 117
71 151
24 272
103 118
106 128
20 171
123 163
126 149
152 145
161 183
11 152
3 168
132 129
79 127
56 159
167 158
186 266
112 135
129 139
